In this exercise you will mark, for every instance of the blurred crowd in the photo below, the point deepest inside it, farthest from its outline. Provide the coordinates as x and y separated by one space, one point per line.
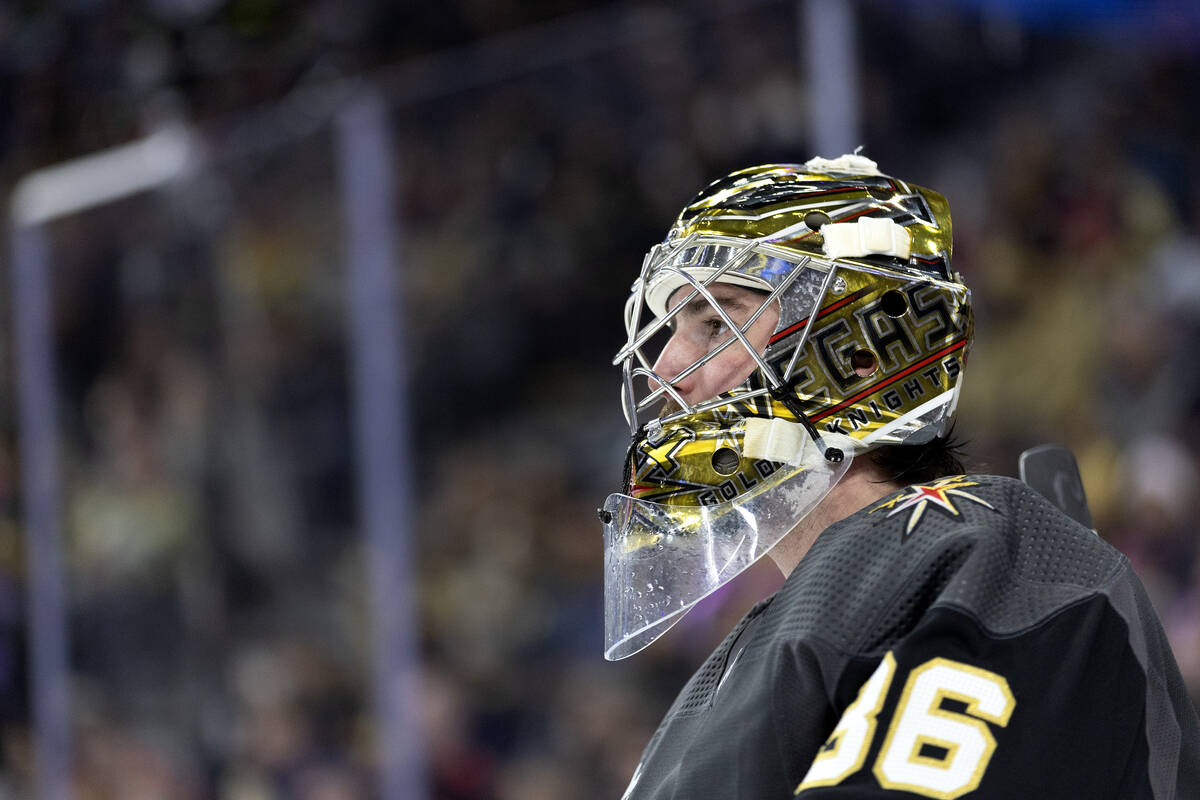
219 613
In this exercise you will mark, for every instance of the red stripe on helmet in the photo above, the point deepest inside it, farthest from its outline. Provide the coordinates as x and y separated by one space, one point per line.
829 309
945 351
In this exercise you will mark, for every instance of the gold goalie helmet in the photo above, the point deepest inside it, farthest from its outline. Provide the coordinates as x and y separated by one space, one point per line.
873 328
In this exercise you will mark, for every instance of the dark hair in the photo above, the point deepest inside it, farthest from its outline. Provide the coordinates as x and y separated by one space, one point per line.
920 463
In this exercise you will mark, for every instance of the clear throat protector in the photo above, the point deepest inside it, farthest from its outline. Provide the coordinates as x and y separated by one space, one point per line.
660 561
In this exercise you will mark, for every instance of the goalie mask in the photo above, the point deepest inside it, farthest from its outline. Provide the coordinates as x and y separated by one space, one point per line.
829 286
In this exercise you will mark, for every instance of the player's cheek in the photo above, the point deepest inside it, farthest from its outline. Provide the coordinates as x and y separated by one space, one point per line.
734 367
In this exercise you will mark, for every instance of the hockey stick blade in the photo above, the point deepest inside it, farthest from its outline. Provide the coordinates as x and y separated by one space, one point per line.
1051 470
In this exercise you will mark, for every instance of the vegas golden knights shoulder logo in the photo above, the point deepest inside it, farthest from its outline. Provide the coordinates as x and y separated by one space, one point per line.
915 499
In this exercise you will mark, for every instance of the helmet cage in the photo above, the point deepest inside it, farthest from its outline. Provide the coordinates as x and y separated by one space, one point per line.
684 260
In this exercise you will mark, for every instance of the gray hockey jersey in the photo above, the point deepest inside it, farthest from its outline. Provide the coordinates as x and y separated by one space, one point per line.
958 639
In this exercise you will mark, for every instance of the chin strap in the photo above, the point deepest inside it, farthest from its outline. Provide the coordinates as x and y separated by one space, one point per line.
626 477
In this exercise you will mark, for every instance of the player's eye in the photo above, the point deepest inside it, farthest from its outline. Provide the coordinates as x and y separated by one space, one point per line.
716 327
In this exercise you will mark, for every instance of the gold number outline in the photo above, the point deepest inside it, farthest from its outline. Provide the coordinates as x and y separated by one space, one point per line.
870 700
863 711
974 717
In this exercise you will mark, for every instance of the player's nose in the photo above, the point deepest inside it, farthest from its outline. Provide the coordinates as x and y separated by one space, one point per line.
675 357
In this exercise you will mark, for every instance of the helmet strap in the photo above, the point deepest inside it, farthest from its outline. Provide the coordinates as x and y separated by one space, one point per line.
627 476
785 394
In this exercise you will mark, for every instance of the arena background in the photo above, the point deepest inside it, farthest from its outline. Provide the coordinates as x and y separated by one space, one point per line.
246 604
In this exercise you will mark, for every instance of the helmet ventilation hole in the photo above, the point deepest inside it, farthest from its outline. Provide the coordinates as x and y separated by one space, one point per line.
864 363
815 219
893 303
725 461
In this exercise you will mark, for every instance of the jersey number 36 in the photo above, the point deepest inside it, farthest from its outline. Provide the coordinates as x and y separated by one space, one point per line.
938 744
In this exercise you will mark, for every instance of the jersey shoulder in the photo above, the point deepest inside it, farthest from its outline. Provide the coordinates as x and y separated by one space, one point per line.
1025 535
1039 542
986 545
